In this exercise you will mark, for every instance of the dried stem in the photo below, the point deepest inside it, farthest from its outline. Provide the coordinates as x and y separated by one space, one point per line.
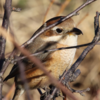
37 33
23 78
51 3
63 7
5 24
68 74
38 63
82 20
50 50
8 96
26 53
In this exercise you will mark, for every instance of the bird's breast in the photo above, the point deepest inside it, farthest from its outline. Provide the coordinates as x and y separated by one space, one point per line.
56 63
60 60
64 57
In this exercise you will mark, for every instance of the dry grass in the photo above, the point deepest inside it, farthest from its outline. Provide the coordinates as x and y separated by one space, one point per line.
26 22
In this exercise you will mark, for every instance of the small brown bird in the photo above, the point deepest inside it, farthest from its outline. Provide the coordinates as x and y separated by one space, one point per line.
62 35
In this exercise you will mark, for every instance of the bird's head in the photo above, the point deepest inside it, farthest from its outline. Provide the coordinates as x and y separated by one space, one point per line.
64 33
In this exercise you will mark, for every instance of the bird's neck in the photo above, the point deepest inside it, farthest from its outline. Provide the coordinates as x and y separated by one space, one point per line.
70 40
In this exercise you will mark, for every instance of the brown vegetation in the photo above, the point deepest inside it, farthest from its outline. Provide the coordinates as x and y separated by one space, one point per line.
30 18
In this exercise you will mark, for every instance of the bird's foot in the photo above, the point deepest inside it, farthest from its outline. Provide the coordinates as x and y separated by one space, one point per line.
45 94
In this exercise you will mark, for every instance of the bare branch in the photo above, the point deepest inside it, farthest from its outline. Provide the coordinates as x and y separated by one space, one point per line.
51 3
63 6
38 63
51 50
68 75
8 95
8 6
7 62
5 24
37 33
23 78
82 19
33 59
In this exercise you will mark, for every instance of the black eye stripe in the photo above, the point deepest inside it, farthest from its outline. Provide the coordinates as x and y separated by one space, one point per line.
59 30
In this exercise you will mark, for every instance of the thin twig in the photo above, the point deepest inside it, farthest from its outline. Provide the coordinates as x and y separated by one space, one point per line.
82 20
23 78
68 74
57 3
8 6
9 94
37 33
7 61
5 24
50 50
38 63
6 64
46 28
63 6
51 3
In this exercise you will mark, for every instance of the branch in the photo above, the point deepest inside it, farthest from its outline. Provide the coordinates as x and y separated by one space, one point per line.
37 63
50 50
8 6
40 32
69 75
51 3
5 24
23 78
7 62
9 94
37 33
63 6
82 19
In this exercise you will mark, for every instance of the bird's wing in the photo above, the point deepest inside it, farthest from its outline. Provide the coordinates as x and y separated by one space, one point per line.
35 47
28 64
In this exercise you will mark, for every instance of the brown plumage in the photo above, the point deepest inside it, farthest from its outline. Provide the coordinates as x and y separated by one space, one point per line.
62 35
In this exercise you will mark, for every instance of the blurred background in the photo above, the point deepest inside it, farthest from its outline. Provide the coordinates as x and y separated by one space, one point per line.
31 17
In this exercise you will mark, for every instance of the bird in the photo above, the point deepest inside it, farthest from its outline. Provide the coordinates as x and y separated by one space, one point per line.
64 34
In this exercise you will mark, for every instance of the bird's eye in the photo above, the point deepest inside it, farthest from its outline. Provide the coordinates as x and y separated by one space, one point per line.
59 30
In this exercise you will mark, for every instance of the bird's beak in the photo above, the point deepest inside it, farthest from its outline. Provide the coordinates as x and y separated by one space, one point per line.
76 31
